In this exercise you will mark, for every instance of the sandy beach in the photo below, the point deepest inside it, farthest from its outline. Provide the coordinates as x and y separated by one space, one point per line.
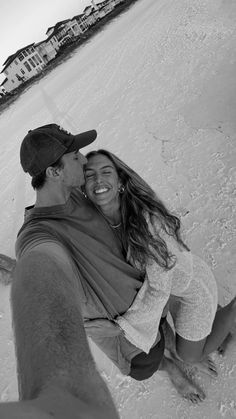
158 83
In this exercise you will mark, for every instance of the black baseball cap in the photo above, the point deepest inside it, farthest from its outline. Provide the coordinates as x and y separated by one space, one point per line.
44 145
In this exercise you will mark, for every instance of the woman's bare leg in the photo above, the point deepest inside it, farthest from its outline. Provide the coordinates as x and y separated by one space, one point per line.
207 366
191 351
224 322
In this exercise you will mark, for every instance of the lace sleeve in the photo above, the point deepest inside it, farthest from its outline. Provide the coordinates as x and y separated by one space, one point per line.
141 322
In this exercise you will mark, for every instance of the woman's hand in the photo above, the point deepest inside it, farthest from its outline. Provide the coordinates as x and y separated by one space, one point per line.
102 327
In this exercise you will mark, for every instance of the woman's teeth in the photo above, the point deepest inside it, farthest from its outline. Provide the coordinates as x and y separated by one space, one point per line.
100 190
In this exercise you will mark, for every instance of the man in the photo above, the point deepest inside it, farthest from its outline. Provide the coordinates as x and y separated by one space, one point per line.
57 374
71 267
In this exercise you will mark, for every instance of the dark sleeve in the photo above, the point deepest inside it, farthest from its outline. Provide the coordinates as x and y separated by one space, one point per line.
51 345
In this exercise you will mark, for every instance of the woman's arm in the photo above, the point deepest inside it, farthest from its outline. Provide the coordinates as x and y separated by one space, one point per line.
141 321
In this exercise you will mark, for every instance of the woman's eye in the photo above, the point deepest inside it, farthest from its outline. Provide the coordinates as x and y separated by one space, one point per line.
107 172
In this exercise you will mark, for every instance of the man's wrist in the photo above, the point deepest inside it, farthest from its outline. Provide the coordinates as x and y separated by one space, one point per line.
118 326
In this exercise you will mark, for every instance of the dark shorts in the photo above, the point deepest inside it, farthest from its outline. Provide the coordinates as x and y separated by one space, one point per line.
144 365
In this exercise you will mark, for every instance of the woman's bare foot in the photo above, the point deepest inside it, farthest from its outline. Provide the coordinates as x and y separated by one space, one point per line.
183 384
207 366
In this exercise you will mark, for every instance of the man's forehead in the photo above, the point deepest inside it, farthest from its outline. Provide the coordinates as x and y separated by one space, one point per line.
71 154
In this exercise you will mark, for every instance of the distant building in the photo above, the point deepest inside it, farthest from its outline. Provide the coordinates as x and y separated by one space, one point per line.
63 32
53 42
91 15
94 5
30 60
2 90
46 49
118 1
21 66
82 22
104 7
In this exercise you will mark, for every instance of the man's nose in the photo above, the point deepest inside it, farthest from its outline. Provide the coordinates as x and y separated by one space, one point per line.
84 160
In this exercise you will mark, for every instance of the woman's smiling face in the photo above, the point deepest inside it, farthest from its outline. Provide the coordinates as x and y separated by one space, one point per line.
101 181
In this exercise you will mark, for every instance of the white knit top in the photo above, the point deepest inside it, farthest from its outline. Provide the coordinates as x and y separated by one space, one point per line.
190 281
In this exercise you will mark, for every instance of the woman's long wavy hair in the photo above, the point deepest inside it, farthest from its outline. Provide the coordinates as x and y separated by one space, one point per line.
136 202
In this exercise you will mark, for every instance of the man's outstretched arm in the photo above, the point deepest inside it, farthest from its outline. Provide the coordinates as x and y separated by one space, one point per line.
56 371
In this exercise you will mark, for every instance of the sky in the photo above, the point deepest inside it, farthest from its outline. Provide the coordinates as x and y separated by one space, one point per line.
26 21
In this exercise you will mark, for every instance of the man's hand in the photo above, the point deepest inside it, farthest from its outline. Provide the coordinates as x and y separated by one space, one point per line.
102 327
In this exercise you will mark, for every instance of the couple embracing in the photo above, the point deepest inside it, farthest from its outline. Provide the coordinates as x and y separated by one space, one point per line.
100 254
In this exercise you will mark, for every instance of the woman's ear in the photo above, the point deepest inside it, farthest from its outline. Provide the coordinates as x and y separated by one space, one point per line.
121 188
83 191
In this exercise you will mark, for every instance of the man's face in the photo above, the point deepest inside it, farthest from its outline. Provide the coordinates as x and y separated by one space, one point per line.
72 174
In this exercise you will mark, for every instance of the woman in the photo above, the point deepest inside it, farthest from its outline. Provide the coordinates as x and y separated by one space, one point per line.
151 241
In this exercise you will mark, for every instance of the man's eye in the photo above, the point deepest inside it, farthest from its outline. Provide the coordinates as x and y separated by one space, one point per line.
107 172
88 176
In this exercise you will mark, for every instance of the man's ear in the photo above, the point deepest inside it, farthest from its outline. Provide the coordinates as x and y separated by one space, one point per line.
52 172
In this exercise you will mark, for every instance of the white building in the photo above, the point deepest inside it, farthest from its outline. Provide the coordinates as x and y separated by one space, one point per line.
2 89
47 50
82 22
52 39
63 32
21 66
105 7
91 15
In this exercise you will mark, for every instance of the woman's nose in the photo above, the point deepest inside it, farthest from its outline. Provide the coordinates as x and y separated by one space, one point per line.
98 178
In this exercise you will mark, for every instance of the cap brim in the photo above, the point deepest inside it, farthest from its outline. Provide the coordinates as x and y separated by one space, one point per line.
82 140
